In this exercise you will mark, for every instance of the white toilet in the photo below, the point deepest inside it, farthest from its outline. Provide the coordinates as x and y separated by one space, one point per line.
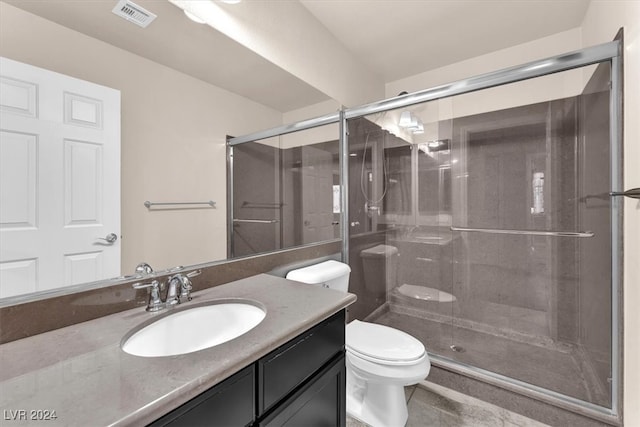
380 360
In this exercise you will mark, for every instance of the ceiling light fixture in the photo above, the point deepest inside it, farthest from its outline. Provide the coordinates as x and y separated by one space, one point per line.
411 122
204 12
194 17
405 119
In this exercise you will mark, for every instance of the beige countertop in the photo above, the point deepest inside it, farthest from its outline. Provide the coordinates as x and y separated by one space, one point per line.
82 374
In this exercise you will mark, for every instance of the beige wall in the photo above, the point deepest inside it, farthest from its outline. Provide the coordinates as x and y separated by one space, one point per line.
313 135
325 133
516 55
508 96
601 23
173 137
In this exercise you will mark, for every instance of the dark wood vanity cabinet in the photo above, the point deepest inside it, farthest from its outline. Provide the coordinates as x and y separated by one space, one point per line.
318 402
301 383
229 403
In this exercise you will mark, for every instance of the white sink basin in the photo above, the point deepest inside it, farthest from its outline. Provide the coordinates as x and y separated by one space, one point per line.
194 329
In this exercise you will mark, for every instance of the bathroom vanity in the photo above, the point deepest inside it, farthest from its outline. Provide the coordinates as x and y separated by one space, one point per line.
288 368
301 382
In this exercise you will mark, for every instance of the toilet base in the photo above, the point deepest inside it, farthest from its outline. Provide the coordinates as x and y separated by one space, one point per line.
378 405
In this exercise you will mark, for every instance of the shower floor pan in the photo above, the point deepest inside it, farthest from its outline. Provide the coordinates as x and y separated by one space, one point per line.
553 367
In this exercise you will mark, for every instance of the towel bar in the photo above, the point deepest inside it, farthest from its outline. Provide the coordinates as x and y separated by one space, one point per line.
148 204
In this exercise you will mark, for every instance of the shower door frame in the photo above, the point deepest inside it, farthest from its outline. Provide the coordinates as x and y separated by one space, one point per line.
608 52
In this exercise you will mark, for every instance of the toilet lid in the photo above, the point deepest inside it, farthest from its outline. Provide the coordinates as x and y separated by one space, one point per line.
382 343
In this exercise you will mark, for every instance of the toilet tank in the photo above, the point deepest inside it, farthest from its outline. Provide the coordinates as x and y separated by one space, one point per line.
330 274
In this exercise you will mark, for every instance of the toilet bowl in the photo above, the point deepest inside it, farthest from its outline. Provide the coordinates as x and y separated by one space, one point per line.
380 360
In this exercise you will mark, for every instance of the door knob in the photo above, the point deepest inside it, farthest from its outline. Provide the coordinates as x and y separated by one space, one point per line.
111 238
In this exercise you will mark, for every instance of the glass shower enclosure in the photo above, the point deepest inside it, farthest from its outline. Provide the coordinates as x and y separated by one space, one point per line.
477 216
482 224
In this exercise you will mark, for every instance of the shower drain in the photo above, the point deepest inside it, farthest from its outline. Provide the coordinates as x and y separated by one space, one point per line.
457 348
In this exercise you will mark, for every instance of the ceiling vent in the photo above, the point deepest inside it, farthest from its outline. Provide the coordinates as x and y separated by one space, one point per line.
134 13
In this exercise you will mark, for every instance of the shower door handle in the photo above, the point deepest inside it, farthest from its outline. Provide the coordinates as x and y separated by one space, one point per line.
634 193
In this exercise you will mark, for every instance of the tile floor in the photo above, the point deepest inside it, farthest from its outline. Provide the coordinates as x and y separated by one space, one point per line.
431 405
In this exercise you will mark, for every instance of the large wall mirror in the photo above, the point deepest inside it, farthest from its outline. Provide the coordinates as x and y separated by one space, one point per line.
284 191
182 89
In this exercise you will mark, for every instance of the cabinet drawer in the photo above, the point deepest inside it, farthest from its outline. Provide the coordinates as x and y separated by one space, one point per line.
281 371
230 403
320 402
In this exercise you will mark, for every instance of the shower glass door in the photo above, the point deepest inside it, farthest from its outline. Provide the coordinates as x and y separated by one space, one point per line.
400 211
482 225
531 232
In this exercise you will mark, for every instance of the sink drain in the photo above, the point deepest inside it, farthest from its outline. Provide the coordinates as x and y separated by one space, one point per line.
457 348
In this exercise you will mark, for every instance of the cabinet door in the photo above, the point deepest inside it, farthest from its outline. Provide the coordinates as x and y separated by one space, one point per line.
320 402
230 403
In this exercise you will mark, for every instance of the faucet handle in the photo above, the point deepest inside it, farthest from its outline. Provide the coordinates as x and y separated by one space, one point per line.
155 302
144 268
187 286
185 289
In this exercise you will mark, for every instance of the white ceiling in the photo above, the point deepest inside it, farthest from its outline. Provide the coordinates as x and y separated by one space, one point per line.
393 38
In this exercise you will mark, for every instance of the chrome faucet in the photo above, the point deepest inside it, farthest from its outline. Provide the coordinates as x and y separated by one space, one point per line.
178 290
180 287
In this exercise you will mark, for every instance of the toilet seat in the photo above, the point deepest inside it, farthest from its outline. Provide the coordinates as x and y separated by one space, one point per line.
382 344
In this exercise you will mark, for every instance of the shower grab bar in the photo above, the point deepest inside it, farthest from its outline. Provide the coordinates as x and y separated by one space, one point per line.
257 221
148 204
526 232
634 193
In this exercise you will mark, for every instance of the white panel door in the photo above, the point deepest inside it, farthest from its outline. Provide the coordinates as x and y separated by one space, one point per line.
59 180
